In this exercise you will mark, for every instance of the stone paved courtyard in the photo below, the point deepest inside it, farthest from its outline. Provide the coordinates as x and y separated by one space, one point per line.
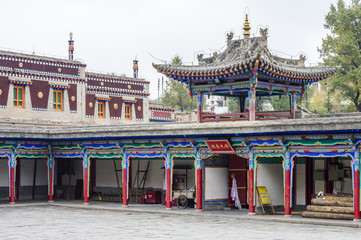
54 222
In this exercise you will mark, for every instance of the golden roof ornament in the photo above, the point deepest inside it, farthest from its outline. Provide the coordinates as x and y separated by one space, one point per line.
246 27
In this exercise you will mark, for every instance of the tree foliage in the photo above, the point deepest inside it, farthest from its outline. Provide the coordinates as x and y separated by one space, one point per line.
233 104
176 94
342 48
280 103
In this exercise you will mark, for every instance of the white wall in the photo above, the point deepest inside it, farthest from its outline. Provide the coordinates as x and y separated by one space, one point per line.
300 184
105 173
215 183
319 184
4 173
271 176
27 172
28 114
155 177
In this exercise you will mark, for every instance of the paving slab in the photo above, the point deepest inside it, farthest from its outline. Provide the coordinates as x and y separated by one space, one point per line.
160 209
99 220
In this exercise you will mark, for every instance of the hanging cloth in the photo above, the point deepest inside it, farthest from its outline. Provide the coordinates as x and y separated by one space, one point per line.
234 194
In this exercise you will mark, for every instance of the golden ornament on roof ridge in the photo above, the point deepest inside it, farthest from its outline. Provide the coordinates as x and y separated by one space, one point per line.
246 27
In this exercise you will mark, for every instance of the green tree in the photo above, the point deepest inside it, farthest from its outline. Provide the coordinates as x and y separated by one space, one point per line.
280 103
318 103
342 48
328 103
233 104
176 94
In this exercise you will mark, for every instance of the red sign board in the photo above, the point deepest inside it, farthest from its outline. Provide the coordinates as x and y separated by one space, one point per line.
219 146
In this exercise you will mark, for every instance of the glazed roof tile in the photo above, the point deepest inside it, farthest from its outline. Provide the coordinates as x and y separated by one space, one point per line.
244 53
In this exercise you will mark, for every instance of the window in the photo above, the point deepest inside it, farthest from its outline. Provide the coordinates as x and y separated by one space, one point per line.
101 110
128 112
18 96
58 100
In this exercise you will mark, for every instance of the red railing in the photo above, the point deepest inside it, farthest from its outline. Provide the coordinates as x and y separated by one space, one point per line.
213 117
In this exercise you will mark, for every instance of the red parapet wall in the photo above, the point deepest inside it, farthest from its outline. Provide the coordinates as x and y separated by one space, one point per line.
40 66
156 114
119 84
104 84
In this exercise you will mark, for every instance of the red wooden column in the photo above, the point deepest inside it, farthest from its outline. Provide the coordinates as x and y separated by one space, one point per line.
287 183
356 187
125 180
199 183
169 180
199 107
12 168
293 105
252 104
50 164
86 175
251 182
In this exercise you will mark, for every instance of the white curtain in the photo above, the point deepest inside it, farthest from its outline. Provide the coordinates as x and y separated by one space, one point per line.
234 194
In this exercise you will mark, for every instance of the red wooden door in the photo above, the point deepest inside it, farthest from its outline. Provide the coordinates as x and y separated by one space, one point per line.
237 167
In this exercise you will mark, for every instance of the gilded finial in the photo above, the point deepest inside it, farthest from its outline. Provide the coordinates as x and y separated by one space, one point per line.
246 27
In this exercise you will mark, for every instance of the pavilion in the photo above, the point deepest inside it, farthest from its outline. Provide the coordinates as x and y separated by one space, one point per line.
248 70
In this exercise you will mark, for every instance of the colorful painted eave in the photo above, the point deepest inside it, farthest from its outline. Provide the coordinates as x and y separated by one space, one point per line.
245 69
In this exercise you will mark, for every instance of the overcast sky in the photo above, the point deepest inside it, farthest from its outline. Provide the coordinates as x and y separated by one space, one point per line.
110 34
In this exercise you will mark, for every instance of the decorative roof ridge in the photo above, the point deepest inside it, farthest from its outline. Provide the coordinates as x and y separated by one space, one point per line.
237 61
300 69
